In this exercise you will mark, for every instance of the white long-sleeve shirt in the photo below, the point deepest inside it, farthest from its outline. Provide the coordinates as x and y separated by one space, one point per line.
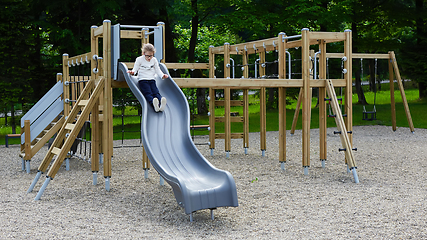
147 70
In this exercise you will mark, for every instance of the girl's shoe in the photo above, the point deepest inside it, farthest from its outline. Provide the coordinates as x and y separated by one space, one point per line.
156 104
162 104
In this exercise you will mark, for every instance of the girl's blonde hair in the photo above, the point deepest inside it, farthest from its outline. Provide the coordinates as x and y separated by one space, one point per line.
148 47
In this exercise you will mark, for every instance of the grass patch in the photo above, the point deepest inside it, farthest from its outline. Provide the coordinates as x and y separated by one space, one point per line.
130 127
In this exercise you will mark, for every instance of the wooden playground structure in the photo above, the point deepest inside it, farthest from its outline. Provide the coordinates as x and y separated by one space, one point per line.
94 100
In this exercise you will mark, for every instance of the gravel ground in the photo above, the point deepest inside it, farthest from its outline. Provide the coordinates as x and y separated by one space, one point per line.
390 202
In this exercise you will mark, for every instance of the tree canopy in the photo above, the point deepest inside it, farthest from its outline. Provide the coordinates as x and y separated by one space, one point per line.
35 33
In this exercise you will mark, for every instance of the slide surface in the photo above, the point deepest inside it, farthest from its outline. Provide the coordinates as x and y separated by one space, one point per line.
196 183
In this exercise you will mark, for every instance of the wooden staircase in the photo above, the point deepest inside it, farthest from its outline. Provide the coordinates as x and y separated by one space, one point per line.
69 130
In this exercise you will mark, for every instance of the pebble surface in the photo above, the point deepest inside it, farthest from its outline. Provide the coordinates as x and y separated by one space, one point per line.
390 202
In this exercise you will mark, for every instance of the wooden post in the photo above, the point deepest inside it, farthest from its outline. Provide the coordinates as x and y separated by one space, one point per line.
392 101
211 100
348 103
27 144
227 123
107 109
306 101
262 101
322 102
245 101
282 98
145 160
402 91
95 111
66 78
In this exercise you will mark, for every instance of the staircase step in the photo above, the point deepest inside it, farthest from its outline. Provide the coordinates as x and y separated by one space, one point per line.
56 151
70 126
83 102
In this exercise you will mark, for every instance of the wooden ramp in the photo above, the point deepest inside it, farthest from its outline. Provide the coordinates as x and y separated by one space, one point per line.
68 132
342 130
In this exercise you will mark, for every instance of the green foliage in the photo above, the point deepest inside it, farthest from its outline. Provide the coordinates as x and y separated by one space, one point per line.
206 36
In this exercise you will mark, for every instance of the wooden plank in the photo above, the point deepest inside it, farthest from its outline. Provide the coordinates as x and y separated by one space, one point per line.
232 119
130 34
338 36
187 65
242 83
98 31
298 43
233 103
360 55
233 135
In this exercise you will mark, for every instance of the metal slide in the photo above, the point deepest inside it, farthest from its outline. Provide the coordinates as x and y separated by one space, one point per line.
196 183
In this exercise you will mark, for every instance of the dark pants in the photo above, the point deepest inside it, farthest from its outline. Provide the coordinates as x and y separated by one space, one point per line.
149 90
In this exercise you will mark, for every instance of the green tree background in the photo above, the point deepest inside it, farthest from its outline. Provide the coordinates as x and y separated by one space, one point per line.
35 33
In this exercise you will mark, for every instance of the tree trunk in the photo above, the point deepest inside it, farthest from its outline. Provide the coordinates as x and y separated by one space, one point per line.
359 89
372 83
421 34
200 93
422 89
12 114
271 96
358 83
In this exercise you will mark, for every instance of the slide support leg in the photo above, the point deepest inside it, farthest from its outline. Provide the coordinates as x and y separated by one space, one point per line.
40 193
39 173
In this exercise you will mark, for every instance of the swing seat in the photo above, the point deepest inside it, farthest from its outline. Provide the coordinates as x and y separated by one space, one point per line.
369 115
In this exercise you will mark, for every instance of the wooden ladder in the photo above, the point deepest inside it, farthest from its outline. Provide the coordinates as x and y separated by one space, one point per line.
342 130
70 129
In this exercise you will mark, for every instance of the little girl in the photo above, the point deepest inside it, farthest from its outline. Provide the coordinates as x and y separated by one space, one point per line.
146 67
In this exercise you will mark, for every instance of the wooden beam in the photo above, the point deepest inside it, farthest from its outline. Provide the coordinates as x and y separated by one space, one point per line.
98 31
333 36
187 65
360 55
243 83
129 34
233 103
